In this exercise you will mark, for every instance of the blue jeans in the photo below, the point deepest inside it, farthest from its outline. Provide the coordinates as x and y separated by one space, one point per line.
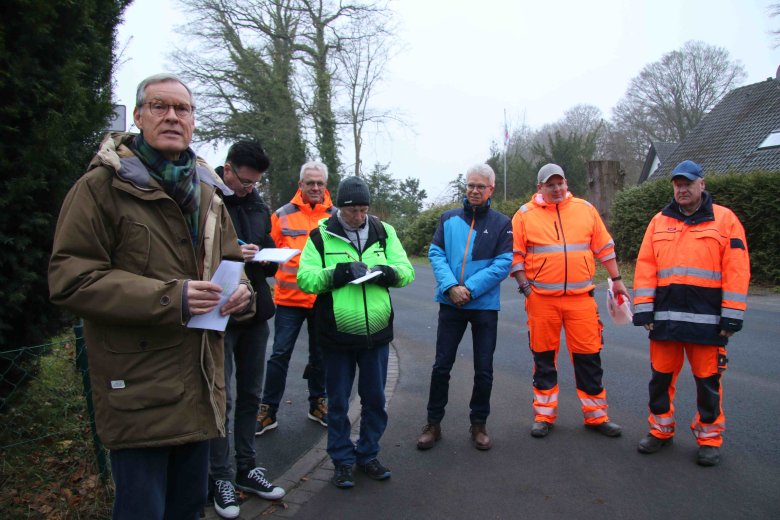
245 354
167 483
340 368
452 325
287 325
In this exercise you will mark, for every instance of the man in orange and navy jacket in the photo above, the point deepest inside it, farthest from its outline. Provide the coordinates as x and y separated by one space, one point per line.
690 288
290 227
556 238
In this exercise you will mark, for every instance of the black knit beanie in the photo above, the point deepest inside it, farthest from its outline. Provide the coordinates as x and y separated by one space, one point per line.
353 191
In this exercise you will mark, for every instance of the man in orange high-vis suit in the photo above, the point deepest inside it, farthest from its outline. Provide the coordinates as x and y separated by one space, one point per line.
690 288
290 227
556 239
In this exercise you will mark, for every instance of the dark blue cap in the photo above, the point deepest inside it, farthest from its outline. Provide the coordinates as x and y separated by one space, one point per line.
688 169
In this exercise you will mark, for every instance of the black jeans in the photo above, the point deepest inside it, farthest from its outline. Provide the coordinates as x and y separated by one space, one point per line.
452 325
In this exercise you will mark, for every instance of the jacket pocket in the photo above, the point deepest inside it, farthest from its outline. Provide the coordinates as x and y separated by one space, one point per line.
145 366
132 251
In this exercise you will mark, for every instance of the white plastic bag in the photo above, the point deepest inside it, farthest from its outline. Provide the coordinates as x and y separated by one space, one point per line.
619 307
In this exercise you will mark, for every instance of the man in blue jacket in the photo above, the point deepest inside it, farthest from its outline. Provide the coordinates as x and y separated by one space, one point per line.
471 254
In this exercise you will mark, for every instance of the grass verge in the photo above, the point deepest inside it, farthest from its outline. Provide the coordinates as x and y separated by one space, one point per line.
47 463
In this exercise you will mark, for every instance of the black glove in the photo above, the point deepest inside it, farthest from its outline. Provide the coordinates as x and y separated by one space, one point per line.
388 277
345 272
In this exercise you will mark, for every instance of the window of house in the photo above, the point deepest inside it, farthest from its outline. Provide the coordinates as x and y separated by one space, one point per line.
772 140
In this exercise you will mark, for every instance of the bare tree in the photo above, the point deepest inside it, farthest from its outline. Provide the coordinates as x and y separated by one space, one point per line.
242 71
774 12
361 64
669 97
317 44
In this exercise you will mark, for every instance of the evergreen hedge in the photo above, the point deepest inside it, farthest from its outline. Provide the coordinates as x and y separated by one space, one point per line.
56 64
752 196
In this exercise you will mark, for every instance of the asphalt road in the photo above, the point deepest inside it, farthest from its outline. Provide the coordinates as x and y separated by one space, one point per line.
573 473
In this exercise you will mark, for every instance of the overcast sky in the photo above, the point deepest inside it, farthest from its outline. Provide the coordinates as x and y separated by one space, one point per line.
464 63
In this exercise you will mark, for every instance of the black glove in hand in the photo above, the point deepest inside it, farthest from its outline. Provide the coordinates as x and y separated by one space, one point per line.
345 272
388 277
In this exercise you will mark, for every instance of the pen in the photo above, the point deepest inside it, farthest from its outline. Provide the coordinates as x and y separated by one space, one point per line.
241 242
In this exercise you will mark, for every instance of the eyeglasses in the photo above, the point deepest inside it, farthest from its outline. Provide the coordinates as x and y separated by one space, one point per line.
244 183
311 184
478 187
159 109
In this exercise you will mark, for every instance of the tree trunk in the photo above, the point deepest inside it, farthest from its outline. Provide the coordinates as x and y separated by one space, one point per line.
605 178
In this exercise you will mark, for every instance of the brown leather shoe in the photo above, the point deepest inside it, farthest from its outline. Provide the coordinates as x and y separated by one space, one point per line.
479 437
430 434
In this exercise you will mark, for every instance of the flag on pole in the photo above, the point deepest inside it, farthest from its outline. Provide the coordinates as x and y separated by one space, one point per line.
506 132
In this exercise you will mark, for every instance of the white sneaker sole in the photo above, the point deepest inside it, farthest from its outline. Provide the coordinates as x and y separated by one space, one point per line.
318 420
228 512
275 494
268 428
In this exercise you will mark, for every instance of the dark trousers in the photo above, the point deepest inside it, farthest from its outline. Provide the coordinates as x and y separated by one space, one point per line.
452 326
245 355
340 367
167 483
287 325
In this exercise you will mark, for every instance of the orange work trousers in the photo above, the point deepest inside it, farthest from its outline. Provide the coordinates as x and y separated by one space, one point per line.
579 317
707 364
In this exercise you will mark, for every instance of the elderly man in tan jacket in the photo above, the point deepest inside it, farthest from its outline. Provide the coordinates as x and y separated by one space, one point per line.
137 240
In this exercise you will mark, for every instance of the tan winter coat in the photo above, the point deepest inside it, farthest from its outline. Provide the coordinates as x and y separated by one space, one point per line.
122 253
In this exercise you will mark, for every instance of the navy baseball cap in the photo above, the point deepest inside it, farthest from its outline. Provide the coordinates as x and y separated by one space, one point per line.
688 169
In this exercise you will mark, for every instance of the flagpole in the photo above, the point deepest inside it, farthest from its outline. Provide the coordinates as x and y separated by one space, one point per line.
506 143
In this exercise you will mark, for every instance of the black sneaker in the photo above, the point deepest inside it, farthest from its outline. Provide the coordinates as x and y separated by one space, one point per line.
253 481
225 503
318 411
375 470
266 419
342 477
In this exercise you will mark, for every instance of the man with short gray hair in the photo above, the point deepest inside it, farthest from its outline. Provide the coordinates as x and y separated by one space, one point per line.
471 253
138 238
290 227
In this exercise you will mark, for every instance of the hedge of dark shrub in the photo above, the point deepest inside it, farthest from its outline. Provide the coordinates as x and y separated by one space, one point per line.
754 197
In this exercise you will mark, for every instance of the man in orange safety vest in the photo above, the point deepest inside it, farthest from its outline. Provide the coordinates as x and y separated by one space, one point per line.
690 288
556 239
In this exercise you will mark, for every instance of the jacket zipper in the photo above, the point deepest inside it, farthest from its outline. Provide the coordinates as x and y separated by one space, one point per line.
466 250
565 253
363 289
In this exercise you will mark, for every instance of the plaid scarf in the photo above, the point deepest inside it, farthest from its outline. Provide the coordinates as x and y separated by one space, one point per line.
177 178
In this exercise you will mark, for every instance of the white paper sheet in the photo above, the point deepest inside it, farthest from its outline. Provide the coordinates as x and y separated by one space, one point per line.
366 277
227 276
277 255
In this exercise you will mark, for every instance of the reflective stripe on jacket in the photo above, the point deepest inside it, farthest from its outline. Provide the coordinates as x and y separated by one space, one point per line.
692 274
290 227
556 244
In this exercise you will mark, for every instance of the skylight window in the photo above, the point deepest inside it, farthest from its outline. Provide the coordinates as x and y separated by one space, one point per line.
772 140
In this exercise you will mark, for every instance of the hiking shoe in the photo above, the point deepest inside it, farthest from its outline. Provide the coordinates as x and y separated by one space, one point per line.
607 428
253 481
651 444
479 437
318 412
225 502
375 470
342 477
541 429
266 419
430 434
708 456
